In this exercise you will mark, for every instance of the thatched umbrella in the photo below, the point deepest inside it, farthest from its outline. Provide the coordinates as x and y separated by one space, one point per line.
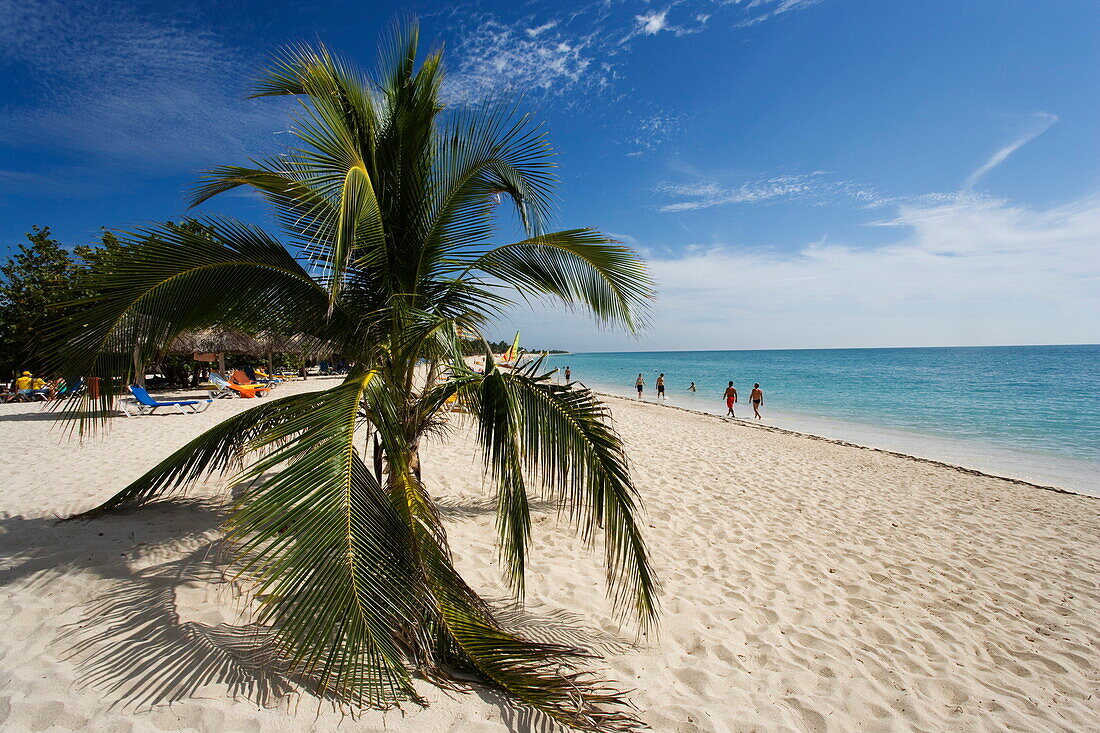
215 341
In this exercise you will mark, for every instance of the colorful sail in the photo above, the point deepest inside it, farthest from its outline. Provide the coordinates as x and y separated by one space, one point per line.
513 350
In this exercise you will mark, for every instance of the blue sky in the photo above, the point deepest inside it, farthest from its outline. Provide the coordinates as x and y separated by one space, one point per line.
798 173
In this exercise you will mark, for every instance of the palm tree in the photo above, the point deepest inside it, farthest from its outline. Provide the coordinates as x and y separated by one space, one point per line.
389 207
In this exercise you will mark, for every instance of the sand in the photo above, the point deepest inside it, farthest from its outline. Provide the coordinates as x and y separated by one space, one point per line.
807 586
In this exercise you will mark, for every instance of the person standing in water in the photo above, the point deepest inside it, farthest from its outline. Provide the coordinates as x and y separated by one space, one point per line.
639 383
661 386
692 387
731 399
567 373
757 399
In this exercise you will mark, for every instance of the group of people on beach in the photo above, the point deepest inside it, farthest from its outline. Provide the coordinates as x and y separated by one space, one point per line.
28 387
756 397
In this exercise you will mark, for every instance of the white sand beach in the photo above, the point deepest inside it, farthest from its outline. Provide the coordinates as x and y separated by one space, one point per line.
807 586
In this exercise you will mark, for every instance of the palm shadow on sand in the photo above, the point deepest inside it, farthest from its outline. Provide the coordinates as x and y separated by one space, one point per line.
131 644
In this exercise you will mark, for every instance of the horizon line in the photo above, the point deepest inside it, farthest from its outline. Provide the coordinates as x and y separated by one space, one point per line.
834 348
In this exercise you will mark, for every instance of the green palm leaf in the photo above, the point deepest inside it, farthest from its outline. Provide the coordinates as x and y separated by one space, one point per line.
172 280
325 546
217 450
562 437
579 267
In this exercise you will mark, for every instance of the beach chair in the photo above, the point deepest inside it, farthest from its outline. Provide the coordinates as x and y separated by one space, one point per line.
265 377
222 390
228 389
146 405
30 395
69 387
241 379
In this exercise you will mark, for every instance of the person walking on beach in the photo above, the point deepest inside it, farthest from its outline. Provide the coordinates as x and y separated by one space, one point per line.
731 399
639 383
661 386
757 399
692 387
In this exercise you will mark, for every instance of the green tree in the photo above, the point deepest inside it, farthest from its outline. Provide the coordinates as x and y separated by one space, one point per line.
34 279
389 208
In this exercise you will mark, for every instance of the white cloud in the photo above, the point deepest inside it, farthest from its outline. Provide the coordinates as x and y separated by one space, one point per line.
496 58
652 23
816 188
574 50
763 10
653 131
1042 121
539 30
972 271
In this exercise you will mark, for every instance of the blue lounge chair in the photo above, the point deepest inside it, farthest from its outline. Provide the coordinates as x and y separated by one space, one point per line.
146 405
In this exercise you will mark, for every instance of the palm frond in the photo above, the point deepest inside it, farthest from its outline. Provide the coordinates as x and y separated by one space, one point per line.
173 281
480 155
541 675
300 205
217 450
564 439
499 434
580 267
329 554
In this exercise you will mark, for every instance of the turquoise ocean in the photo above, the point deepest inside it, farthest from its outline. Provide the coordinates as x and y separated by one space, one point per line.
1030 412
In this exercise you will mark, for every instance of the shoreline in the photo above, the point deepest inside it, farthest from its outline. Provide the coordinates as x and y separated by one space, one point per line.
848 444
978 408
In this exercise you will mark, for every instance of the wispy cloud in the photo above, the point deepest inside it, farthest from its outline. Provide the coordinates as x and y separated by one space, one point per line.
763 10
1042 121
577 50
653 131
496 57
653 22
817 188
110 82
539 30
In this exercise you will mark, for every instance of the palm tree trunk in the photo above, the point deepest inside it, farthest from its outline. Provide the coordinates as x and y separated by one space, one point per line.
139 368
414 459
377 460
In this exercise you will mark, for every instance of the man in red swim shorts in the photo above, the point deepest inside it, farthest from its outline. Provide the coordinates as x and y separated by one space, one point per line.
731 399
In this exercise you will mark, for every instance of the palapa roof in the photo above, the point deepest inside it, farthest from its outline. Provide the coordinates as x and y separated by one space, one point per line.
215 341
218 341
